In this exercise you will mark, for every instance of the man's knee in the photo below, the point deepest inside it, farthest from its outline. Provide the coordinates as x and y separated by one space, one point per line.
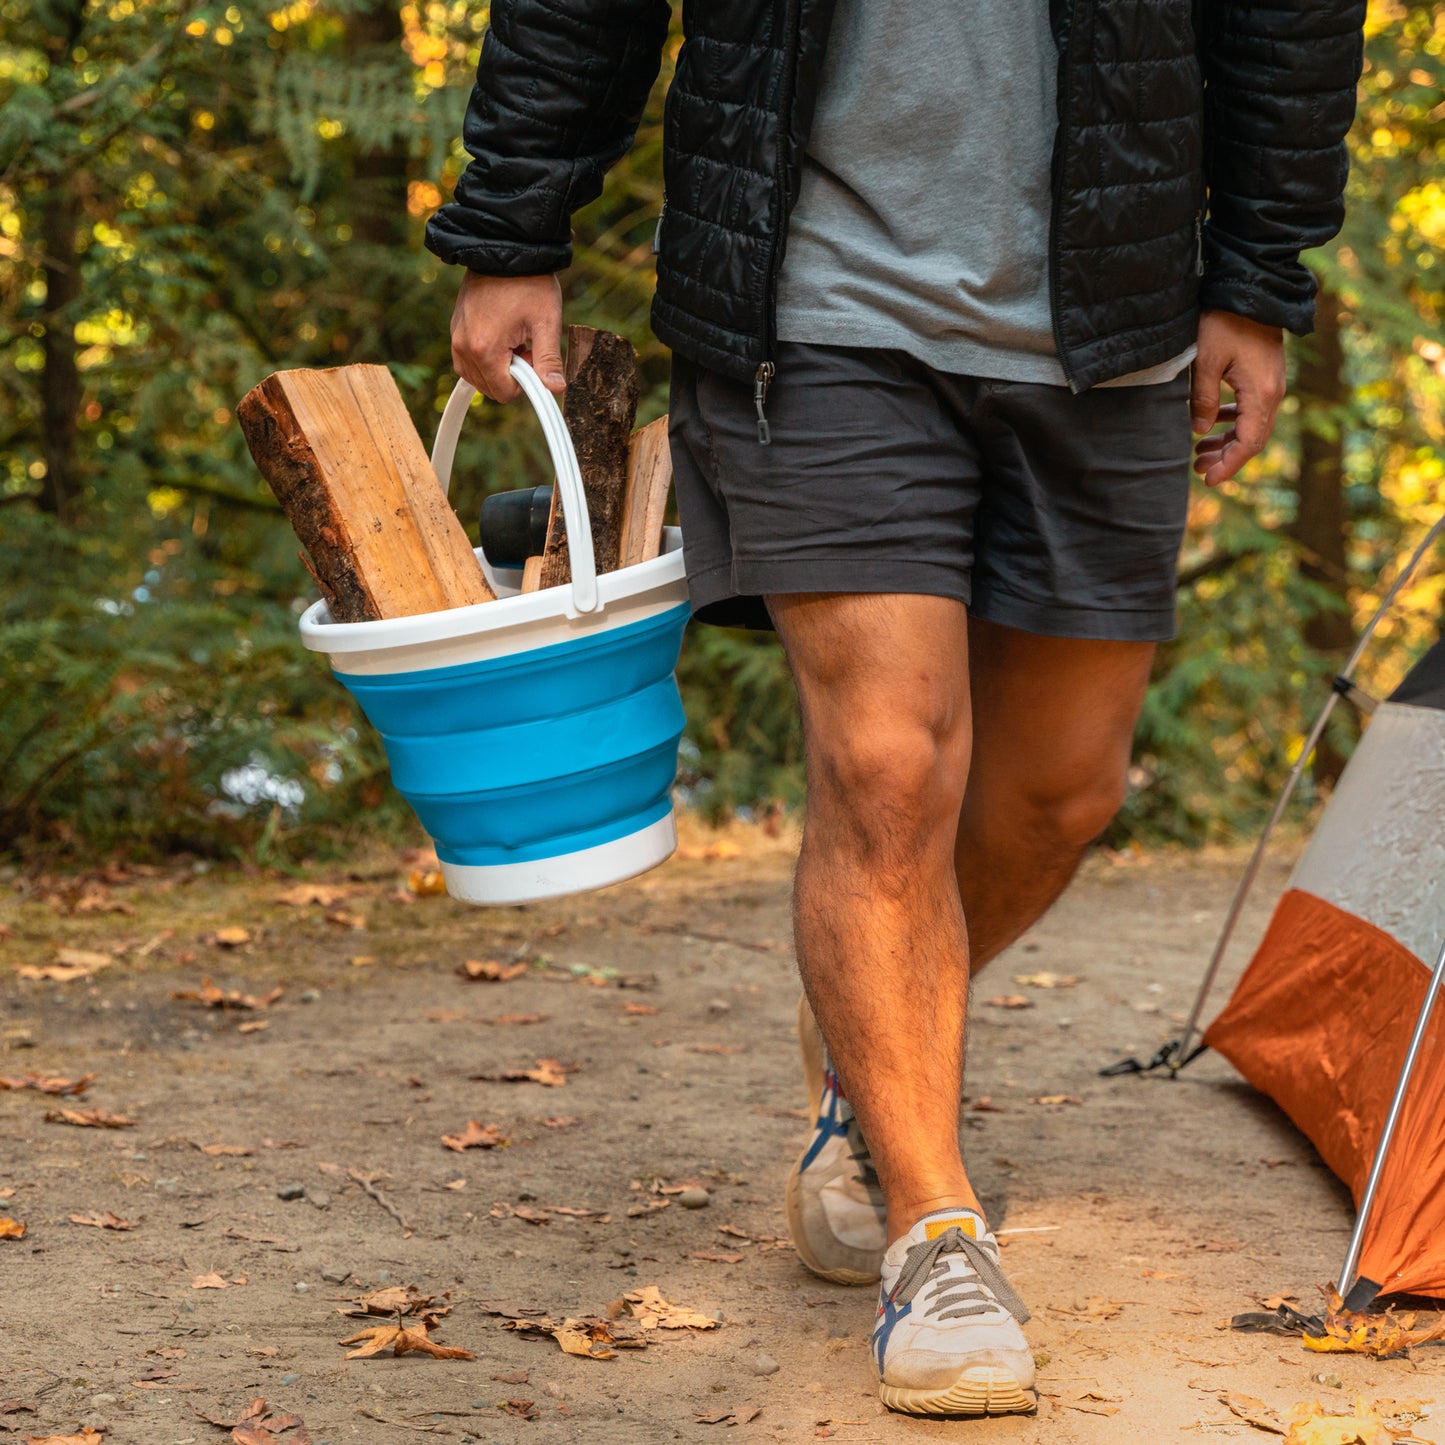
1071 815
890 790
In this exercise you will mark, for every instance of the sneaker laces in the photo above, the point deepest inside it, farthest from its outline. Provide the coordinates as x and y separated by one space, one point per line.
978 1290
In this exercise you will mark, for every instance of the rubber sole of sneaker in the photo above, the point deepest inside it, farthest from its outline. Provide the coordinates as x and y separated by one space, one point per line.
811 1047
982 1390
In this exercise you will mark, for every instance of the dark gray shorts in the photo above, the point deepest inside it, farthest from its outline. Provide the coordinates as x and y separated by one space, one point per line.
1042 510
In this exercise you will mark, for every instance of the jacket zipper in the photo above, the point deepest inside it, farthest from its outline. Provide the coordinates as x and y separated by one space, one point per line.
657 234
763 377
1199 243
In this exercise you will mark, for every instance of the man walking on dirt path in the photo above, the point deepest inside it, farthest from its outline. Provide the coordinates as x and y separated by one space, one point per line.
934 277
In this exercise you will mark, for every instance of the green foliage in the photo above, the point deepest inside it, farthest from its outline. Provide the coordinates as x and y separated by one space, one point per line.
241 187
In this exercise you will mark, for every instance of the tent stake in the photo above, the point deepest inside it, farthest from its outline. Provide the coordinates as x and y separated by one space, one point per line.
1181 1051
1397 1104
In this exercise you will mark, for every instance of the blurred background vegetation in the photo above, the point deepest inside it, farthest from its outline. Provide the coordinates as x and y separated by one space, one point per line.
193 195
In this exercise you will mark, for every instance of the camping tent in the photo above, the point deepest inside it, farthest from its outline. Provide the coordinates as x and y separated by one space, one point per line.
1322 1019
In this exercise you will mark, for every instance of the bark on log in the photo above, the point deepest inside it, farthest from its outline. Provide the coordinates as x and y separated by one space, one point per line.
340 452
600 407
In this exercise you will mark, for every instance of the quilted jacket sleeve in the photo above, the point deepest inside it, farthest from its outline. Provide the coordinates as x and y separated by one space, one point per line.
560 89
1279 97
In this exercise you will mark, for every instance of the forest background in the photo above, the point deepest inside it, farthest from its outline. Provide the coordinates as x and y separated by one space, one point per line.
193 195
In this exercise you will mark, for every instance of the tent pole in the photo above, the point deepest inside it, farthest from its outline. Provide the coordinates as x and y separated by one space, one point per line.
1181 1050
1397 1104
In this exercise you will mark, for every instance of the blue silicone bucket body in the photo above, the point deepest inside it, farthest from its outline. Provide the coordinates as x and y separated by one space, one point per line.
535 739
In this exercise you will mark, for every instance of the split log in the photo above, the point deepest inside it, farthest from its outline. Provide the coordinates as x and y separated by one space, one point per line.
600 407
649 479
344 460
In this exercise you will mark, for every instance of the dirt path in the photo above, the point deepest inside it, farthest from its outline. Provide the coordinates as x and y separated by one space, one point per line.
1147 1211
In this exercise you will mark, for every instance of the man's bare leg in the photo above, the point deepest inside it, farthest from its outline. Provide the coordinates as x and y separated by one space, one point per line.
1053 722
882 947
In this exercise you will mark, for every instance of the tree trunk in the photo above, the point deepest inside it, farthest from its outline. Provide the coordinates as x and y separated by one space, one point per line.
1320 525
60 379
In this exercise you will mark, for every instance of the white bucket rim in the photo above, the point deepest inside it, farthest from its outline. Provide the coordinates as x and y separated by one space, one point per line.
320 634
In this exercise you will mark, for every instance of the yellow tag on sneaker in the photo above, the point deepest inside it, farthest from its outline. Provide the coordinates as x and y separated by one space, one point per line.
965 1222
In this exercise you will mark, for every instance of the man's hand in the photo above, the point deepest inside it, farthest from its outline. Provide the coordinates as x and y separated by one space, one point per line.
498 316
1250 358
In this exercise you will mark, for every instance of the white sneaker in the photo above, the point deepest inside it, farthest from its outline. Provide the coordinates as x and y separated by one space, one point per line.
835 1210
947 1340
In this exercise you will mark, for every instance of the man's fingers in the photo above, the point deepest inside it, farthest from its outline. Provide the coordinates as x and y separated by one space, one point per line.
547 353
1204 393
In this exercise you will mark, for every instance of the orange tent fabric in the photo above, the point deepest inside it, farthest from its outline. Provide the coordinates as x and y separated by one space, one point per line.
1320 1022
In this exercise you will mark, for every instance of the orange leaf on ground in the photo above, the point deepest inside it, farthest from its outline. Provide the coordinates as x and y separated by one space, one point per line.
231 937
647 1306
560 1121
522 1409
44 1085
1253 1412
239 1151
11 1228
1056 1099
717 1049
70 963
344 918
476 1136
87 1436
304 894
551 1073
253 1026
506 1020
426 882
210 1281
401 1341
488 970
639 1010
1047 980
1010 1000
102 1221
89 1118
214 997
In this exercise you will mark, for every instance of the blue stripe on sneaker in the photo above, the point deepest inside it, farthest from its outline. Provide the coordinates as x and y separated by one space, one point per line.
888 1316
830 1123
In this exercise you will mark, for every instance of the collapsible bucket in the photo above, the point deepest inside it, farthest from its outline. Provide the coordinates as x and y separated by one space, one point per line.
534 736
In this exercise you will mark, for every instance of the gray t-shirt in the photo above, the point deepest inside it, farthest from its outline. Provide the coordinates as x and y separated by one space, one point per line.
923 222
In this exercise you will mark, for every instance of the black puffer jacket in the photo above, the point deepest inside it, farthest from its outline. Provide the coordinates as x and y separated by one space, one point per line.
1200 149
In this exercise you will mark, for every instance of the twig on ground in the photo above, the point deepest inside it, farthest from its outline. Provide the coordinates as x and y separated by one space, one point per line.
369 1188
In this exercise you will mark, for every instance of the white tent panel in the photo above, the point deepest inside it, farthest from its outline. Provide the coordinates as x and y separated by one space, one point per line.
1379 850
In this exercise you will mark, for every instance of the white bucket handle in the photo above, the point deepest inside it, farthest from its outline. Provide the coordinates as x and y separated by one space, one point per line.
585 597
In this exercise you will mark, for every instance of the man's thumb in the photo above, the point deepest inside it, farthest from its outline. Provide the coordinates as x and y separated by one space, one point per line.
547 362
1204 398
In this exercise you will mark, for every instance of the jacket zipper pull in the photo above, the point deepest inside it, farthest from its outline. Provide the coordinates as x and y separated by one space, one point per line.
1199 243
761 381
657 234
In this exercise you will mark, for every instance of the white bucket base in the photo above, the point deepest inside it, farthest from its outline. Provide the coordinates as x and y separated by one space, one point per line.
578 872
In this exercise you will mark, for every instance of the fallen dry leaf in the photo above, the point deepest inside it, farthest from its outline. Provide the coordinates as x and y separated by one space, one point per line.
344 918
507 1020
1380 1335
102 1221
713 1258
70 963
214 997
89 1118
305 894
647 1306
560 1121
1056 1099
551 1073
1363 1425
476 1136
488 970
426 882
397 1300
232 936
1254 1412
11 1228
87 1436
362 960
1047 980
401 1340
522 1409
639 1009
253 1026
210 1281
717 1049
238 1151
45 1085
651 1206
1010 1000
